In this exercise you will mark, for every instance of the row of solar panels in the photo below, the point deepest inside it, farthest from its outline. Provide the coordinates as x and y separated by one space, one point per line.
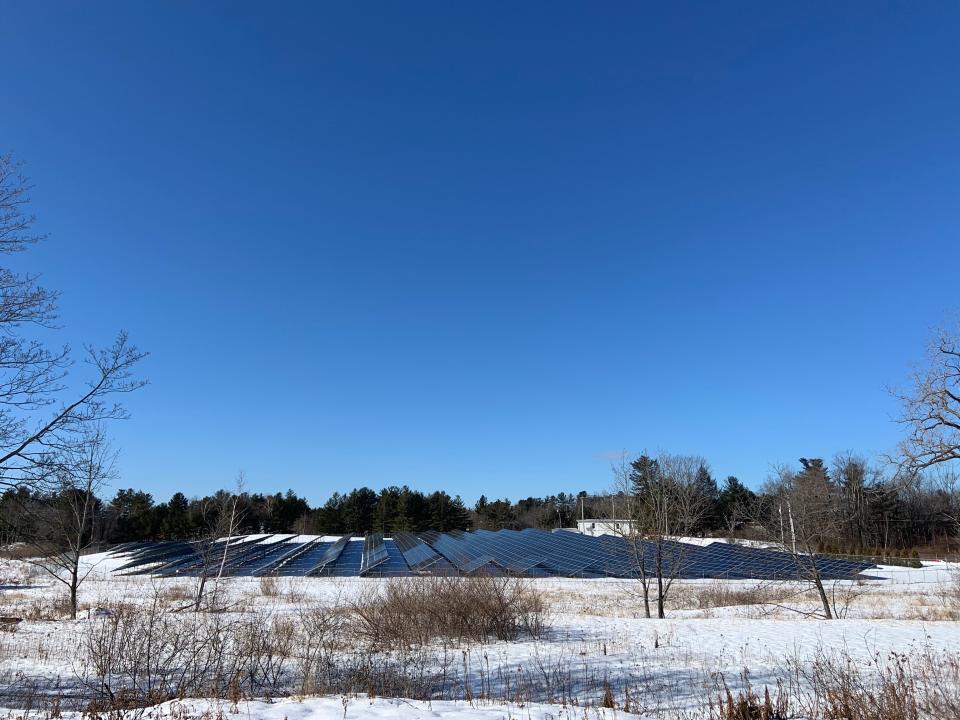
526 553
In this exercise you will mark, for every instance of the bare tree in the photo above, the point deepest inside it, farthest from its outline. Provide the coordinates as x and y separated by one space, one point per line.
801 512
664 502
222 518
931 409
64 521
38 415
853 477
628 524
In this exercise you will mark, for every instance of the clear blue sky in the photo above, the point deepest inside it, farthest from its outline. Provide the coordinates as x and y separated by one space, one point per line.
480 247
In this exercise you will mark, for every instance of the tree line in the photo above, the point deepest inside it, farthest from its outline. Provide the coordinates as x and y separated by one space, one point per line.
861 510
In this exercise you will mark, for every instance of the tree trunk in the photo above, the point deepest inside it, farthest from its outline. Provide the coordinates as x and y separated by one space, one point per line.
827 612
74 582
660 587
201 583
660 598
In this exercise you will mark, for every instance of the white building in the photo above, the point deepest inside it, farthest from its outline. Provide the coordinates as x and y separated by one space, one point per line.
604 526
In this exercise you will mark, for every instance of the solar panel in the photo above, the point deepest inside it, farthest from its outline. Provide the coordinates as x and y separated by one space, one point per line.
330 556
374 552
527 553
291 552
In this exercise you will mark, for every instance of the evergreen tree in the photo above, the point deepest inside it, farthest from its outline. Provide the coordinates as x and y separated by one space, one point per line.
645 474
133 517
176 524
734 504
358 511
447 513
706 486
329 519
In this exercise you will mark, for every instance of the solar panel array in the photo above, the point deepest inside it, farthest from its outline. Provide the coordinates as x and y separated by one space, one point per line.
524 553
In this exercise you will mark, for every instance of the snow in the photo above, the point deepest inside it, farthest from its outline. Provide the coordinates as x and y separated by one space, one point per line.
597 631
353 708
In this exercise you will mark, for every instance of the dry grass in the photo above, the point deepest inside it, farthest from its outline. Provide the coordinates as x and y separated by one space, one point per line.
176 594
17 551
747 704
292 643
724 595
53 608
416 611
269 586
897 687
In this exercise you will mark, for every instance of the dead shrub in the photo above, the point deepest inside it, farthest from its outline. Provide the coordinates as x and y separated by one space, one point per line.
173 594
416 611
747 705
725 595
269 586
321 628
55 608
17 551
898 687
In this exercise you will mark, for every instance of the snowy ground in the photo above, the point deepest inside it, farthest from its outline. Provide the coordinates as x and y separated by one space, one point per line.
598 634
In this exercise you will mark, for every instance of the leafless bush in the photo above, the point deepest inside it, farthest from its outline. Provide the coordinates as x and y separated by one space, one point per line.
173 594
139 655
53 608
321 626
952 591
747 704
15 572
269 586
416 611
897 687
147 655
17 551
726 595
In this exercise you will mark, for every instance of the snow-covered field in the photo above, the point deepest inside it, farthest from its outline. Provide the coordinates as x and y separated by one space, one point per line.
598 643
